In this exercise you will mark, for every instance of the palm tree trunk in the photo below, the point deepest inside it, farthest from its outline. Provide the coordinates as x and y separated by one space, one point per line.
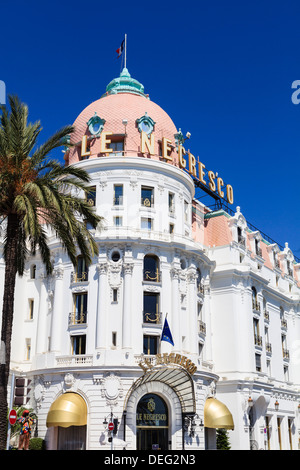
7 320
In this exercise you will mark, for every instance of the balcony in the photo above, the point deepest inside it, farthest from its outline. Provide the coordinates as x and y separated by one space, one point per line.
77 318
283 323
258 340
75 360
79 277
285 354
200 288
152 318
255 305
147 201
268 348
152 276
266 315
118 201
201 327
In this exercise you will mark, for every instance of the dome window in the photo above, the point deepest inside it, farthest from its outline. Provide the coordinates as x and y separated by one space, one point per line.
95 125
145 124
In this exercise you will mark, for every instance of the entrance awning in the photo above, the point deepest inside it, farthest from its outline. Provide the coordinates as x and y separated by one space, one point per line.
217 415
177 378
68 410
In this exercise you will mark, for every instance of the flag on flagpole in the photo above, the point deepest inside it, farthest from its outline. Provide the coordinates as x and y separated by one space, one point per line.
166 334
121 48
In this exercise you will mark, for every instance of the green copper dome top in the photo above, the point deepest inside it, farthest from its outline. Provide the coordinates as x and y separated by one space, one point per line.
125 84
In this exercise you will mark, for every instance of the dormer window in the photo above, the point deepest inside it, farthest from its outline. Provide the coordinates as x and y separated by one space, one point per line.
145 124
289 268
95 125
258 251
241 238
117 145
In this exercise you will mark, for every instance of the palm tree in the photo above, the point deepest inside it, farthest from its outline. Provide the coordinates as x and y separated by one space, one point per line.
37 194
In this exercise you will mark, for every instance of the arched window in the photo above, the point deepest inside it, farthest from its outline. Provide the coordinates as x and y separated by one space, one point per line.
151 269
152 423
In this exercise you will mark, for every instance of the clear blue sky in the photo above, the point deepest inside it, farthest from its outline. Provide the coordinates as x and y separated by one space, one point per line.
222 70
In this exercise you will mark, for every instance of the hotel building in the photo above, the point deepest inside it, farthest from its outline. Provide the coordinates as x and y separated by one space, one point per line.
86 346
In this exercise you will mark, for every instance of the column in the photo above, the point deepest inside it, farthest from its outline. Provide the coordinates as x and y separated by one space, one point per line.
175 314
41 340
192 311
127 306
101 308
57 309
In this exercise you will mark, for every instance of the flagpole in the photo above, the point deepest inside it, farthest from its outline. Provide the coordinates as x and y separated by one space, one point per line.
125 50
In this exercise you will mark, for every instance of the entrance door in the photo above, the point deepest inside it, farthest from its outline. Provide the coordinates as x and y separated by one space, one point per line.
152 439
152 423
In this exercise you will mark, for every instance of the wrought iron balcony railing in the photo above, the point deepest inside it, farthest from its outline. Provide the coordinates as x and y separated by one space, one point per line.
77 318
285 353
283 323
257 340
269 348
80 276
152 276
201 327
153 317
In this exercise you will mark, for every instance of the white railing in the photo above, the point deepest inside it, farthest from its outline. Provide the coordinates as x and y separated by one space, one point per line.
76 360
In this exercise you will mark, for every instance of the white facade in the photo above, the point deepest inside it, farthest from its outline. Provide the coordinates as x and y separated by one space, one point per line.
88 334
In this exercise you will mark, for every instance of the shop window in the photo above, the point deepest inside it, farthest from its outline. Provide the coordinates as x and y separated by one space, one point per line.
71 438
150 346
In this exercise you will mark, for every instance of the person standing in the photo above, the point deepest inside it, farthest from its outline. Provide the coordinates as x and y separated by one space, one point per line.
25 432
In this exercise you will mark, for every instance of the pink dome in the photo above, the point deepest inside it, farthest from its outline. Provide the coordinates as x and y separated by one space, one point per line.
115 108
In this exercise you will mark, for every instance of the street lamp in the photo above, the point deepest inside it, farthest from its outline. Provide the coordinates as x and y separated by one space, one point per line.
276 405
112 427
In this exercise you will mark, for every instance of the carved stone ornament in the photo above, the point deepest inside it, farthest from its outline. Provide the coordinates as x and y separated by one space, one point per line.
69 381
111 388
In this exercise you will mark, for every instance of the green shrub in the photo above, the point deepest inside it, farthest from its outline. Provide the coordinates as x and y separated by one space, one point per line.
37 443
